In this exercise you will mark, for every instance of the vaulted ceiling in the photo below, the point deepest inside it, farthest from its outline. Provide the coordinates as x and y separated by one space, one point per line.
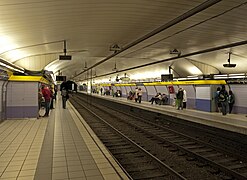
32 35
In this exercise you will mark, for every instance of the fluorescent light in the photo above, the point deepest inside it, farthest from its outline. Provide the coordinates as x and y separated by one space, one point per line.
194 70
10 67
6 44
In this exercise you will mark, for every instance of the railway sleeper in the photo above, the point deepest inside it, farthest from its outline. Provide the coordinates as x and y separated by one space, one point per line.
214 170
149 175
173 149
132 163
225 160
179 141
122 151
244 174
203 150
172 137
190 158
238 166
225 177
201 164
181 153
110 144
116 147
186 143
145 167
111 141
192 147
212 155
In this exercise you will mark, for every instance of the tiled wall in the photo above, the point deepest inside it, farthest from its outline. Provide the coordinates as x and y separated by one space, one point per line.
22 99
203 98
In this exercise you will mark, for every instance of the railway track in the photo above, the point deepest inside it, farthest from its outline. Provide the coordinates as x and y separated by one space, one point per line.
138 162
205 156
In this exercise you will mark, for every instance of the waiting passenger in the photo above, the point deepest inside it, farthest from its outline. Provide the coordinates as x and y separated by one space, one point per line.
40 100
231 101
52 98
101 91
223 99
217 102
179 98
164 99
136 94
139 95
112 92
47 95
65 96
130 96
155 99
55 92
118 93
184 99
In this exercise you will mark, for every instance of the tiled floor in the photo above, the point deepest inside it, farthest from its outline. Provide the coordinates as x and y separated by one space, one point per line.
20 145
61 146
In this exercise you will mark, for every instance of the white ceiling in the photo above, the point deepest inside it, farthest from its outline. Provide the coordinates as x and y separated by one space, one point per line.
32 34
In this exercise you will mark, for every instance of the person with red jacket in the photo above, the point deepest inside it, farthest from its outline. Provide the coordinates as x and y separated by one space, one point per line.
47 95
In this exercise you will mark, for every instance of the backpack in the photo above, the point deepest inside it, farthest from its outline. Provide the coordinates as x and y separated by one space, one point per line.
221 97
64 92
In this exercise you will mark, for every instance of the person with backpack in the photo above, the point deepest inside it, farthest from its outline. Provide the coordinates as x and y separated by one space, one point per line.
217 102
223 99
65 96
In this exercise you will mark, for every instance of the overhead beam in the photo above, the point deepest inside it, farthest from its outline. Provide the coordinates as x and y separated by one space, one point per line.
33 45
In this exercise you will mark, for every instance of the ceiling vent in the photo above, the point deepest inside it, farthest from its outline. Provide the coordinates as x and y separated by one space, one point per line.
229 65
175 51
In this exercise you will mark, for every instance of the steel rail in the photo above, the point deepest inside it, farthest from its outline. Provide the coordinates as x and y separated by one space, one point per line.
196 155
135 144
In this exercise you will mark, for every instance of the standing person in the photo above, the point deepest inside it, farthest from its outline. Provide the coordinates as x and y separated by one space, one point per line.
52 98
65 96
217 102
112 92
231 101
184 99
180 96
47 95
55 93
136 94
223 99
101 91
40 99
140 95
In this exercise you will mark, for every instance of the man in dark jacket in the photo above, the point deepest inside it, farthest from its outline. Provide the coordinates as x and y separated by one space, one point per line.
223 99
180 97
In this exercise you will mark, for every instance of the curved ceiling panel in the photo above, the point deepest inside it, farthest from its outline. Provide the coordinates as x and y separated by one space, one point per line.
32 34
